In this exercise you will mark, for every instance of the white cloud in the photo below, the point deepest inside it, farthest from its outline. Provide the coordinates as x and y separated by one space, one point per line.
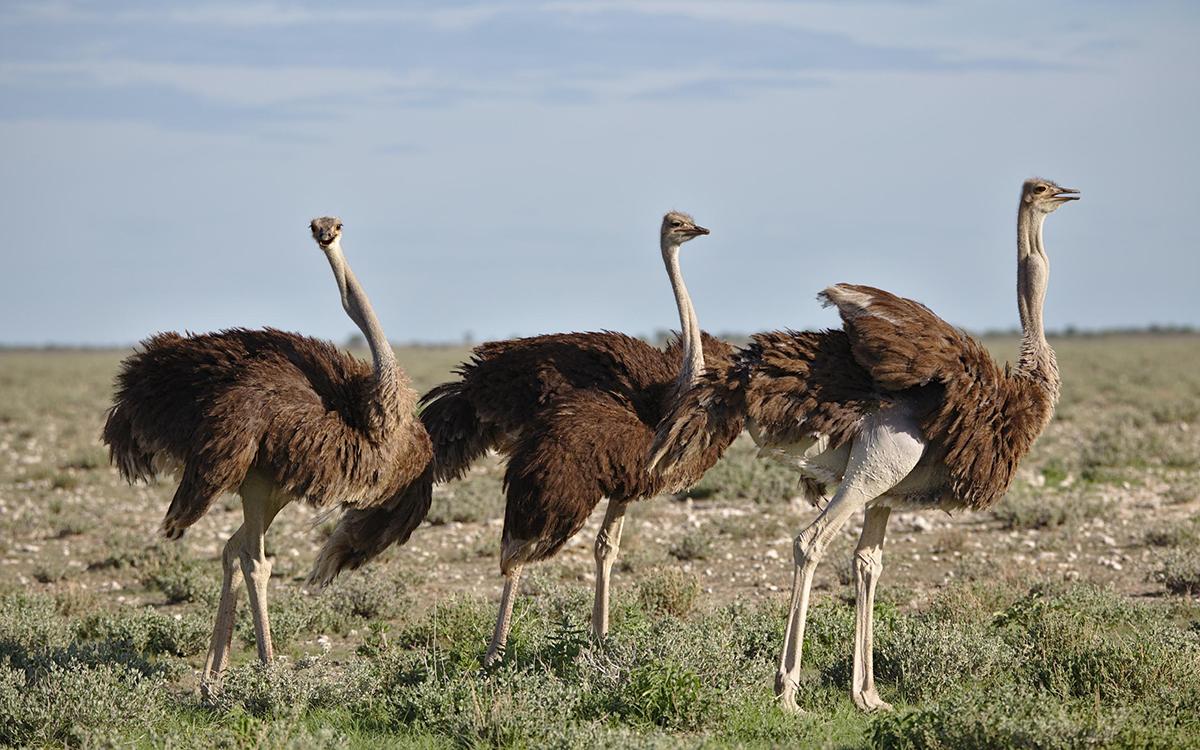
242 85
261 14
971 29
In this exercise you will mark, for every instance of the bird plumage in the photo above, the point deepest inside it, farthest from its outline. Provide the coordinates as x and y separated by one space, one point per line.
897 408
310 417
978 418
573 413
981 419
274 417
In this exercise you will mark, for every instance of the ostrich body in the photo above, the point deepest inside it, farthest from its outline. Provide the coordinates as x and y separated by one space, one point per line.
898 409
274 417
575 416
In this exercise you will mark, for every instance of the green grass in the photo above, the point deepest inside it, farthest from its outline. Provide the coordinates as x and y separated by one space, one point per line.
1103 669
1067 616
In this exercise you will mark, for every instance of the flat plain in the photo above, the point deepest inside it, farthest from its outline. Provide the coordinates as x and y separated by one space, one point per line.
1066 616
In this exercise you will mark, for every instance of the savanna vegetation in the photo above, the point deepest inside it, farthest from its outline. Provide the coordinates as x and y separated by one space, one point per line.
1068 616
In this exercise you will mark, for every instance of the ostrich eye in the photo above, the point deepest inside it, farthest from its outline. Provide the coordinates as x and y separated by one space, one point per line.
676 223
338 227
1040 189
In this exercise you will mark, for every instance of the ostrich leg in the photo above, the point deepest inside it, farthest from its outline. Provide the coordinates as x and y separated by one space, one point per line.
868 565
222 637
260 503
608 543
885 451
495 650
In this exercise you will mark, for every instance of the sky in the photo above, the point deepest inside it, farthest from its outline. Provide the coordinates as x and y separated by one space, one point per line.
502 167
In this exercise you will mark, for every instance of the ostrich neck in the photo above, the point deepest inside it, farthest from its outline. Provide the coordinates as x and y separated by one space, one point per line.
1033 272
693 350
358 307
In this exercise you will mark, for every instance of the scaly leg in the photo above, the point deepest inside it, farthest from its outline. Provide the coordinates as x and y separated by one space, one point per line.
884 452
222 637
495 650
868 565
808 549
260 503
608 543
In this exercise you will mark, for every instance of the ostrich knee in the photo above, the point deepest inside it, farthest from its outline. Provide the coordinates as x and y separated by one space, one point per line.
256 569
868 564
606 547
806 550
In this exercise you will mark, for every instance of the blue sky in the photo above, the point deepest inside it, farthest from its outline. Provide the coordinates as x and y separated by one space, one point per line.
501 167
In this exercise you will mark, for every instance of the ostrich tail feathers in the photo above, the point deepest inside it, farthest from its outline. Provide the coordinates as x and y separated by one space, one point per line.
701 422
458 438
364 533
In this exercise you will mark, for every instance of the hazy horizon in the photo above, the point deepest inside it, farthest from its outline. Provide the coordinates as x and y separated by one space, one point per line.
502 167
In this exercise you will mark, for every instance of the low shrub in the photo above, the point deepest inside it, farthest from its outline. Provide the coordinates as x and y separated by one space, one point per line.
669 591
925 658
65 705
1018 717
1027 508
369 594
278 689
182 580
693 545
147 632
1179 571
663 693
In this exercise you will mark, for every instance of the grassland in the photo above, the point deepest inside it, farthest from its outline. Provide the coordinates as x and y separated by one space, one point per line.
1066 617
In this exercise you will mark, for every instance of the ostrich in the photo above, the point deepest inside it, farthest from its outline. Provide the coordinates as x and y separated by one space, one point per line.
899 409
575 415
274 417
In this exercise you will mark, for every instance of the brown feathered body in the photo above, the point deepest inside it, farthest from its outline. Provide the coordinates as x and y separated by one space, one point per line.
800 389
313 420
574 414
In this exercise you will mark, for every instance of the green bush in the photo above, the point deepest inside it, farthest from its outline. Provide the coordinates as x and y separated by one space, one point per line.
669 591
278 689
1018 717
693 545
31 622
1025 507
366 595
1089 642
1179 572
1174 534
925 658
292 614
665 694
63 705
182 580
148 632
459 629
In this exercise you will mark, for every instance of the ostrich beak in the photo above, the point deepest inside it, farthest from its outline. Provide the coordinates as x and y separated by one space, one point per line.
1067 194
697 230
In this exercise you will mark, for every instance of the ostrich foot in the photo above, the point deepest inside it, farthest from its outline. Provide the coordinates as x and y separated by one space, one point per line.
210 686
785 696
493 657
869 701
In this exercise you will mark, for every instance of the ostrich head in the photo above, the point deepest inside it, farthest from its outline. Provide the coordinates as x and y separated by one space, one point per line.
678 228
1044 196
327 231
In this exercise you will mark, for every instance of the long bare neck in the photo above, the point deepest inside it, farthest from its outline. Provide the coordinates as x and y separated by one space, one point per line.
689 327
358 307
1033 273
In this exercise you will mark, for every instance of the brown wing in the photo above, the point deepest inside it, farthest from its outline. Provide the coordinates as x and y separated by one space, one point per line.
581 448
802 384
981 418
509 382
901 343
